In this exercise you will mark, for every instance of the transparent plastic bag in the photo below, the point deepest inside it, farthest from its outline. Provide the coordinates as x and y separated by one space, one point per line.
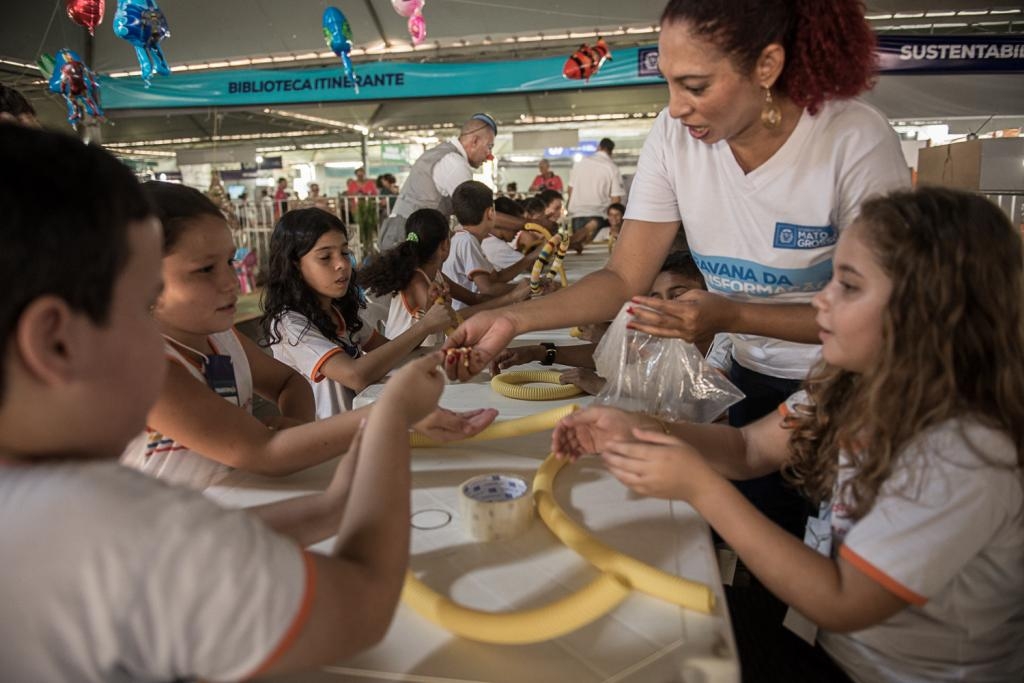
667 378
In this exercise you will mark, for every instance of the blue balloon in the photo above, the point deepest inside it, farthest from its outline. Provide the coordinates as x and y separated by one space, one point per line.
76 82
338 36
143 24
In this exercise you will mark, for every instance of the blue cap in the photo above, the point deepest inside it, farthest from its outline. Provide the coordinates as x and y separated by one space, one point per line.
487 120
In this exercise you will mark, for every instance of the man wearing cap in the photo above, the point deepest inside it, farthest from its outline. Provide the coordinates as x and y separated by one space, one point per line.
437 173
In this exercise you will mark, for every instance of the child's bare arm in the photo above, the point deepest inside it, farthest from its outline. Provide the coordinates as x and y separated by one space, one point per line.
489 284
277 382
359 373
833 594
190 413
358 586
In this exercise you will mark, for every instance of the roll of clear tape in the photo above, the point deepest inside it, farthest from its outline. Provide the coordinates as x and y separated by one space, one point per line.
495 507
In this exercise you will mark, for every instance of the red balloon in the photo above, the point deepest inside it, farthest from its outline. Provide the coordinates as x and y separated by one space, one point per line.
87 13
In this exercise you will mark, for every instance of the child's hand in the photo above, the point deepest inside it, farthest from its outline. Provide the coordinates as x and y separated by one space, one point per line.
439 290
438 317
415 388
591 429
521 292
516 356
657 465
587 380
445 425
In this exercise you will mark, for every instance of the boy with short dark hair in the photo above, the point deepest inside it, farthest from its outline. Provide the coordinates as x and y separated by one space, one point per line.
109 574
467 265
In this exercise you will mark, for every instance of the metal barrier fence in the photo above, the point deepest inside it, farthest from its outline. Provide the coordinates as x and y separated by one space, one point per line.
254 221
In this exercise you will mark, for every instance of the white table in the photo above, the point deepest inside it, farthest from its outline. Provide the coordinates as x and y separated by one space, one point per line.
643 639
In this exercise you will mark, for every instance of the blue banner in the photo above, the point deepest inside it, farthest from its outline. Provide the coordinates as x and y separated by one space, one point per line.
950 54
402 80
376 80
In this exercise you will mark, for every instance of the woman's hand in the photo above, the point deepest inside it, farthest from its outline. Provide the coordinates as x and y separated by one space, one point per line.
694 316
589 431
476 343
445 425
587 380
658 465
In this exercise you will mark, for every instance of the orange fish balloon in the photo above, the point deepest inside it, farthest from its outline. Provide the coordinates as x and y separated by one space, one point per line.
587 60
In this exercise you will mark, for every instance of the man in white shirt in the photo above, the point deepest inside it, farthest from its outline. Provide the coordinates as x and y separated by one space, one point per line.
594 184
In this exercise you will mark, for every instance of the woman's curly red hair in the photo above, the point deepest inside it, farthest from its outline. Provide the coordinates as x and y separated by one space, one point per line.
830 48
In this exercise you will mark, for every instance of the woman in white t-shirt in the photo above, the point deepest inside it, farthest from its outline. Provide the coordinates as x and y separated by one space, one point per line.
765 157
911 434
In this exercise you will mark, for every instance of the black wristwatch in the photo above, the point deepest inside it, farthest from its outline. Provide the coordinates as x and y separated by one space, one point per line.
549 355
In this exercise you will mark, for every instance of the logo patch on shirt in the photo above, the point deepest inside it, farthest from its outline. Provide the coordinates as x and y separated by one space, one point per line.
790 236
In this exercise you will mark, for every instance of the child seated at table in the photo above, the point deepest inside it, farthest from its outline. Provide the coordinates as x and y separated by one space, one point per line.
911 435
311 313
497 246
466 265
111 575
678 274
202 426
410 273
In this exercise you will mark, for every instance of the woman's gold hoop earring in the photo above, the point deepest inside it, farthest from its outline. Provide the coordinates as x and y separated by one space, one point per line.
771 115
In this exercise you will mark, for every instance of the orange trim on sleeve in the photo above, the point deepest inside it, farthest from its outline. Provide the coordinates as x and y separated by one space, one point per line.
301 616
405 304
480 271
880 577
316 375
783 410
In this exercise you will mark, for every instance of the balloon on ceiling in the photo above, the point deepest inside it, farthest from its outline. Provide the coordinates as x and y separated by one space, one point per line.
413 9
587 60
338 36
86 13
143 24
76 83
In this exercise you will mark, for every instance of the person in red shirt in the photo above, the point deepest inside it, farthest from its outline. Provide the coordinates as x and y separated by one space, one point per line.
546 179
361 184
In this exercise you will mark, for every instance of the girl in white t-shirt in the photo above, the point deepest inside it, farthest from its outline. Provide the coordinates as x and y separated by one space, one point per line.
202 425
911 434
410 273
311 313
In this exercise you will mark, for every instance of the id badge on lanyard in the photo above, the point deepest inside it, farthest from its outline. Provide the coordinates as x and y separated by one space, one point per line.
220 376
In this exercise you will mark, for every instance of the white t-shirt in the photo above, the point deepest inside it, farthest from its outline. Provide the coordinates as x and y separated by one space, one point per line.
452 170
768 235
402 315
594 180
305 349
499 252
946 534
110 575
465 260
164 458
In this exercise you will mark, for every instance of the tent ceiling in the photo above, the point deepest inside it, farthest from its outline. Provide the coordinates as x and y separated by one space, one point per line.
227 29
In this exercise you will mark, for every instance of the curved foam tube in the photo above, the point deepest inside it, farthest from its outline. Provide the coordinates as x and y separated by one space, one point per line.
513 628
507 384
531 424
539 229
543 259
634 573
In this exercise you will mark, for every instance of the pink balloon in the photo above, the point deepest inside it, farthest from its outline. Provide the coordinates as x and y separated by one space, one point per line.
87 13
407 8
417 28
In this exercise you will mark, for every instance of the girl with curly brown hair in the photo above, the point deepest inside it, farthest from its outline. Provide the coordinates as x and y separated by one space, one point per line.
911 435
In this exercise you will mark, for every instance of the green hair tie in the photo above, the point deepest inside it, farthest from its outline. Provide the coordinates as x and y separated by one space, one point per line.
412 237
